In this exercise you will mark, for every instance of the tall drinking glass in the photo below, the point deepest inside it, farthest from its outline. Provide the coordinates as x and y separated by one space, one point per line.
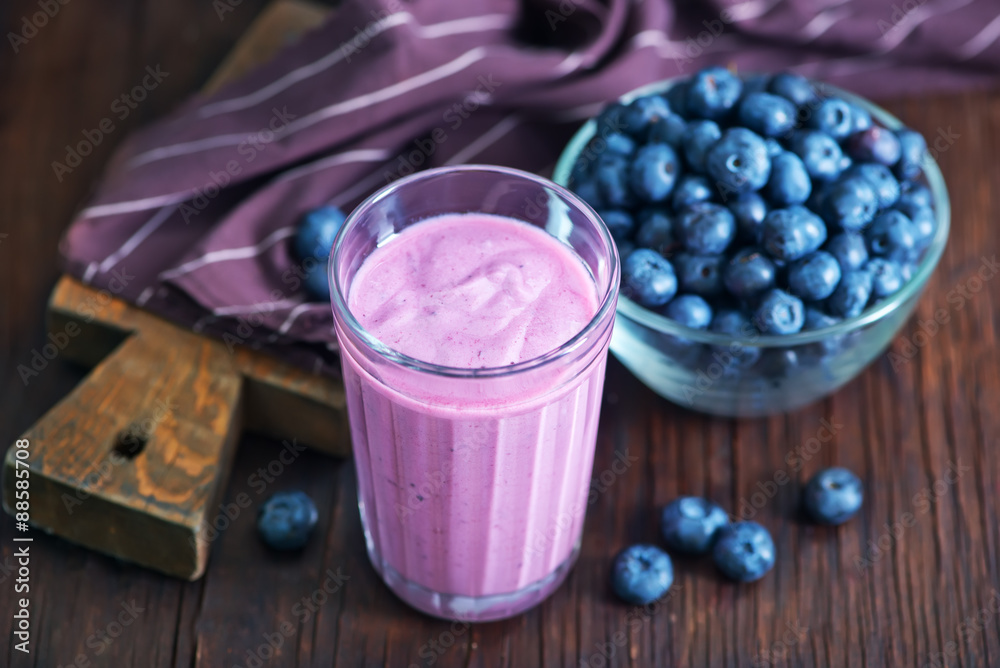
473 483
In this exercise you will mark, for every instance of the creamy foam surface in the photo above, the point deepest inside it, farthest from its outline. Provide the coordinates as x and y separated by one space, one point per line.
473 291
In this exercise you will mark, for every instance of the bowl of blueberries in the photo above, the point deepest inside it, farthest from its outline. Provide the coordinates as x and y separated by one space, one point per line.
775 234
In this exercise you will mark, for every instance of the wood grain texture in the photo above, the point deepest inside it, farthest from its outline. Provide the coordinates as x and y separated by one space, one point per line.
899 428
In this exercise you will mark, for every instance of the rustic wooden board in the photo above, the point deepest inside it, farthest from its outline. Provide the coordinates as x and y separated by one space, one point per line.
148 438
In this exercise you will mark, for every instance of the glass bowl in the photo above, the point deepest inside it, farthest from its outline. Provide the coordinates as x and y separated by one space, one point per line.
762 374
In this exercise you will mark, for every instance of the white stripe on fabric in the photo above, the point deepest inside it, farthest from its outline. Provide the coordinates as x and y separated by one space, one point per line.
89 273
131 206
902 30
413 83
292 315
488 138
360 155
981 41
137 237
434 31
823 22
752 9
260 307
144 296
226 254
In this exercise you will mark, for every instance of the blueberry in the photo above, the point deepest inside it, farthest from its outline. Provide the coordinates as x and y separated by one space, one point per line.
706 228
654 171
316 282
642 112
849 249
619 223
315 235
713 92
789 182
860 118
689 524
656 231
641 574
748 273
744 551
817 319
741 330
611 176
814 277
677 98
912 151
774 147
791 233
689 310
755 83
850 204
832 496
851 295
700 274
907 270
701 136
589 192
876 144
820 153
691 188
766 114
881 179
779 313
793 87
778 363
915 193
286 520
832 116
887 277
892 234
749 210
738 162
648 279
924 222
619 143
669 129
611 119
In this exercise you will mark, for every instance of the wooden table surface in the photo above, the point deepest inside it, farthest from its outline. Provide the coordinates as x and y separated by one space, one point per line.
913 581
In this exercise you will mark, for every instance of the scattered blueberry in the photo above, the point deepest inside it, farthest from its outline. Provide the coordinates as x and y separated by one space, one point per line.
814 277
689 524
738 162
316 281
706 228
748 273
642 574
744 551
286 520
316 233
832 496
648 279
779 313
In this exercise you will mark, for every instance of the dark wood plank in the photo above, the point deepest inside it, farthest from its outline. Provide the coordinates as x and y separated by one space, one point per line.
900 428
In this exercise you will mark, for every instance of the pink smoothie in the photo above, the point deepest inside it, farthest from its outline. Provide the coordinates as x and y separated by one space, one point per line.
468 486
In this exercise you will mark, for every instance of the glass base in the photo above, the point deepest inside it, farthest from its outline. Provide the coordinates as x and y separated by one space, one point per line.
472 608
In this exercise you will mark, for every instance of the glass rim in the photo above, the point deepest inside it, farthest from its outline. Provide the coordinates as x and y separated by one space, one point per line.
344 315
663 324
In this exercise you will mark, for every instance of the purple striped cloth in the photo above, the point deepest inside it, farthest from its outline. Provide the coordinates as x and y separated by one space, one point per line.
194 217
